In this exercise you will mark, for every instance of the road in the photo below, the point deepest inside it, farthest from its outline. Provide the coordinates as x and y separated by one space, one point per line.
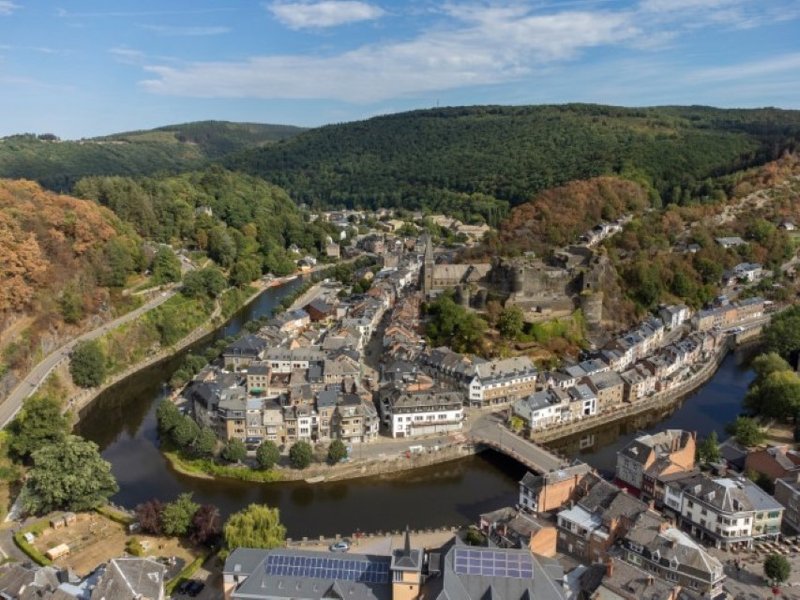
11 404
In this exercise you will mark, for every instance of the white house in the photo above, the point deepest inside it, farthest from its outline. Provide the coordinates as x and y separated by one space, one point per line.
542 408
500 381
409 414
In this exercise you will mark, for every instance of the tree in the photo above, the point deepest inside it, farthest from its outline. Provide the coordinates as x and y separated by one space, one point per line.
68 475
71 304
510 322
206 525
176 518
782 335
234 450
87 364
746 431
708 449
185 432
336 451
148 514
205 442
38 424
300 454
776 568
168 416
766 364
267 455
257 526
166 266
777 396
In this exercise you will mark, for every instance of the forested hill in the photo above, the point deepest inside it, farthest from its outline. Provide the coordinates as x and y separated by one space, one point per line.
58 165
214 138
451 157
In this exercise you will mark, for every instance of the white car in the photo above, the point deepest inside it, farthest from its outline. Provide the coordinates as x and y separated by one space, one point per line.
339 547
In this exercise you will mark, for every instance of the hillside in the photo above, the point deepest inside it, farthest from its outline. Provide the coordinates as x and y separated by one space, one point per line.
542 224
213 138
58 165
479 159
57 254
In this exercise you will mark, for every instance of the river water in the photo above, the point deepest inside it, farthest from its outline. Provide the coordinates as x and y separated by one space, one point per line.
122 422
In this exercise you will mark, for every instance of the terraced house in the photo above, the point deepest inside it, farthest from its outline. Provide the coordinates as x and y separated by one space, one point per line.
502 381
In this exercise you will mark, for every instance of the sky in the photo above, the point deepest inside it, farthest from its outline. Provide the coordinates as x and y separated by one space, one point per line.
85 68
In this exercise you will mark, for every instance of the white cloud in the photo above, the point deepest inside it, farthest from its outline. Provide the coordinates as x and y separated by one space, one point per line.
7 7
127 56
188 31
469 45
490 45
328 13
757 68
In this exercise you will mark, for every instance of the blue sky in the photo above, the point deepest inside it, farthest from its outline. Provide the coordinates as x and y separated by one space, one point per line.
82 68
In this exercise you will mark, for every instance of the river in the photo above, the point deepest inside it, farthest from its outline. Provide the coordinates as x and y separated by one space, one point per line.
122 422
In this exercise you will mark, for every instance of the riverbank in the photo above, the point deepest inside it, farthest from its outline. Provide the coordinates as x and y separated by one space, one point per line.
660 400
80 401
376 466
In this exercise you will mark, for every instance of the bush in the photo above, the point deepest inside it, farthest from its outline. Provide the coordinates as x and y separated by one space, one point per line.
87 364
186 573
19 539
336 451
267 455
776 568
234 451
115 515
134 547
301 454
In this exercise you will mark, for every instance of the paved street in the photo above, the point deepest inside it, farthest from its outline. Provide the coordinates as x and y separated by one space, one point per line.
748 582
39 373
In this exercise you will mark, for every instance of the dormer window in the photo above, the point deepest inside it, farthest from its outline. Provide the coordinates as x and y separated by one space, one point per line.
656 555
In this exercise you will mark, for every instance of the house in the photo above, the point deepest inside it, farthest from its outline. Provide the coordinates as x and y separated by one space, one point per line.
412 413
510 528
502 381
243 351
730 242
291 321
602 515
674 315
724 511
609 388
319 310
332 250
670 554
787 492
541 409
131 579
354 421
788 226
638 382
582 403
775 462
551 491
618 580
748 272
472 573
670 451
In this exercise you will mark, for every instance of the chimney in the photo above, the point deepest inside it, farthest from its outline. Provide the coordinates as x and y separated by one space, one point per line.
663 526
609 567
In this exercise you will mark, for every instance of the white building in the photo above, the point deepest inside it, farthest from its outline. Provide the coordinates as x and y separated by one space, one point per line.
675 315
541 409
502 381
409 414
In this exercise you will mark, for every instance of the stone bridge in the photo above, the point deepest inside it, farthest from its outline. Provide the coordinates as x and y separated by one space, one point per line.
490 432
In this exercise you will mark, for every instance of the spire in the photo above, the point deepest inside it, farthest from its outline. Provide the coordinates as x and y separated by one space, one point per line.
407 544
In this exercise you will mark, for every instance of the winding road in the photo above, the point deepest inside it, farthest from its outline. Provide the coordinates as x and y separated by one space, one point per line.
13 402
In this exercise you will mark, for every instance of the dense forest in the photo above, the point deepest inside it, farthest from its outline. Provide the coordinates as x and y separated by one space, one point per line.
57 165
474 161
243 223
60 259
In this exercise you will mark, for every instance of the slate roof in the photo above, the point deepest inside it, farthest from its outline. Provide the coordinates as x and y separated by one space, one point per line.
505 369
631 583
544 585
249 345
131 579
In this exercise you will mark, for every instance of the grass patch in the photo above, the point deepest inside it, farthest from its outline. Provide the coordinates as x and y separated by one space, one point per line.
208 469
186 573
19 539
234 298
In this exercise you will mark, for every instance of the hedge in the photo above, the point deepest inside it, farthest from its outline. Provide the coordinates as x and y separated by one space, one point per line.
209 469
186 573
115 515
19 539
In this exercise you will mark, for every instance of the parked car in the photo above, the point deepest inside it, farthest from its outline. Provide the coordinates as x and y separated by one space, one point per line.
341 546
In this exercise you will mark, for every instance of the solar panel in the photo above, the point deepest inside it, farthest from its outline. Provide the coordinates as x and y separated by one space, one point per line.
375 570
493 563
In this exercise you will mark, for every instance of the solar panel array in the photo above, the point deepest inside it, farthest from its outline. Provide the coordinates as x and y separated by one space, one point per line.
326 567
493 563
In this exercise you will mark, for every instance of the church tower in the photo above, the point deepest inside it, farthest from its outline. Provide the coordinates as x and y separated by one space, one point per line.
406 570
427 266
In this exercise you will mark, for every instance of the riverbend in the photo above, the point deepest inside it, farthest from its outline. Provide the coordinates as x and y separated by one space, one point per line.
122 421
